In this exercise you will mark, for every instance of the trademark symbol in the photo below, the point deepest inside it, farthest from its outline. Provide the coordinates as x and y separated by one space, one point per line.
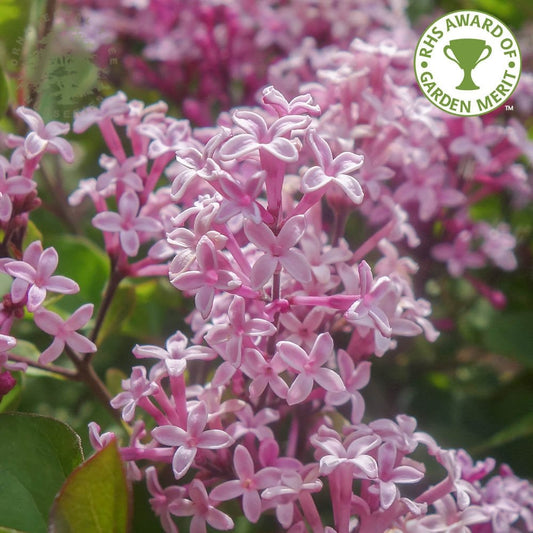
509 107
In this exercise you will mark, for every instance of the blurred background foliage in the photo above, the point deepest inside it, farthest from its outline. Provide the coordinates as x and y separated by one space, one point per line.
472 388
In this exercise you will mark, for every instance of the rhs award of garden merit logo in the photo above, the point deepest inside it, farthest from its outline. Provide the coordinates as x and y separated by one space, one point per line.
467 63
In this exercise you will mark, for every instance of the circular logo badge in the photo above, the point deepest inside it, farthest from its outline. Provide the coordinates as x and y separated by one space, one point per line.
467 63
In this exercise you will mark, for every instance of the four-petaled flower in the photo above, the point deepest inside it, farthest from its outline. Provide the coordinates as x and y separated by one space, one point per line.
34 276
190 440
309 368
127 223
248 484
209 277
64 332
42 138
278 250
332 171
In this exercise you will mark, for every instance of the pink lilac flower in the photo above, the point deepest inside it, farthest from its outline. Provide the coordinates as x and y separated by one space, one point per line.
111 106
64 332
309 368
42 138
392 471
134 388
248 483
163 501
202 509
259 136
263 373
34 276
332 171
210 277
458 255
188 441
354 378
127 223
278 250
240 331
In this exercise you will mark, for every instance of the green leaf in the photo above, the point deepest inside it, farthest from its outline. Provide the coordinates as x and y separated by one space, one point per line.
95 498
512 335
86 264
37 454
120 309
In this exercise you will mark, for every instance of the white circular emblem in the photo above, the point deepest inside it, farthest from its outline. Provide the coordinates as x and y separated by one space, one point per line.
467 63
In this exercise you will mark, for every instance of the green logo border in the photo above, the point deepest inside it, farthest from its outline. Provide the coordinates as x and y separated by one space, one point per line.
481 13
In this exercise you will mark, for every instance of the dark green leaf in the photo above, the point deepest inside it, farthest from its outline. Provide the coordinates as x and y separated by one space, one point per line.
122 306
95 498
4 92
36 456
517 430
86 264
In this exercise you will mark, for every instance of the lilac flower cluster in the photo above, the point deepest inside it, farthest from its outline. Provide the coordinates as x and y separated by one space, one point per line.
204 54
32 269
432 167
261 404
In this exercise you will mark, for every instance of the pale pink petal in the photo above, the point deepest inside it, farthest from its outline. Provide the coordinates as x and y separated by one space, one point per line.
351 187
128 205
52 352
238 146
293 355
80 317
48 321
218 520
22 270
108 221
300 389
315 178
214 439
367 465
47 263
295 263
80 343
204 300
18 290
227 491
64 148
62 284
31 118
292 231
387 493
34 145
260 235
197 419
329 380
263 270
322 349
129 240
243 462
170 435
282 148
6 207
36 296
182 461
251 505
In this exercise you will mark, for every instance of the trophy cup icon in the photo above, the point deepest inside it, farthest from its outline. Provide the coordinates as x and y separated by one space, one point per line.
467 53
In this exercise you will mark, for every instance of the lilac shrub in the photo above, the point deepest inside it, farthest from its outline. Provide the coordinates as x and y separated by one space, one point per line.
261 403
